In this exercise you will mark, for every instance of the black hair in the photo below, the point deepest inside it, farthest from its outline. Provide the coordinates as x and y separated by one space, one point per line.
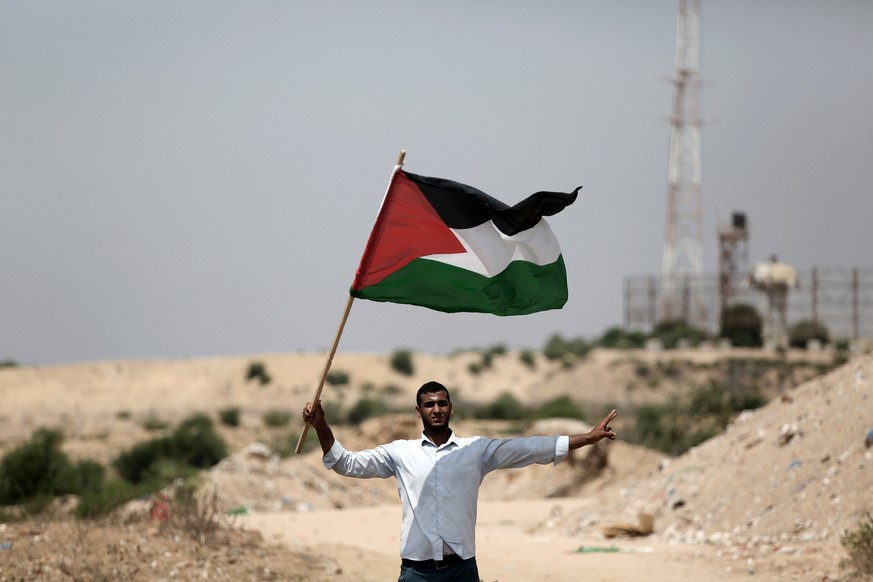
430 388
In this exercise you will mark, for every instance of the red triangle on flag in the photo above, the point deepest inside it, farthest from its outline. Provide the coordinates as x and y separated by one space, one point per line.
407 228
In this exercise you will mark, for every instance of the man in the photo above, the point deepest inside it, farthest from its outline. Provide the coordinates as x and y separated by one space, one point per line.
438 477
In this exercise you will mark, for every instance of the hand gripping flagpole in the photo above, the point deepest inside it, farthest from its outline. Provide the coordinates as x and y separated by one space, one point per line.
336 340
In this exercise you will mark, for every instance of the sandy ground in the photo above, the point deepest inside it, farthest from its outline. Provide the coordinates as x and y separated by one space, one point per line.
507 551
765 500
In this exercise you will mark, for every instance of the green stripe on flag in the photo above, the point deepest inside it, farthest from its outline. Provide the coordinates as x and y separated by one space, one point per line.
522 288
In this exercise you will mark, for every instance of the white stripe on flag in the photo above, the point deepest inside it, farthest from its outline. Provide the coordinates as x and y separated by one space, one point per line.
489 251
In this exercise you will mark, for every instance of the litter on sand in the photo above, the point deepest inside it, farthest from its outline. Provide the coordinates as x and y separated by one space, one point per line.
612 549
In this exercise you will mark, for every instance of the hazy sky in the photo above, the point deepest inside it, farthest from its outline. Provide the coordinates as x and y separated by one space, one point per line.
198 178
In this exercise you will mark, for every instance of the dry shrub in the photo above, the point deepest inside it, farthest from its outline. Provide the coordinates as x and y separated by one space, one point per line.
859 545
198 515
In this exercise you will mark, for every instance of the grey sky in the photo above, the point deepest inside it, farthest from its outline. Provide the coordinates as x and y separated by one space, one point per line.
199 178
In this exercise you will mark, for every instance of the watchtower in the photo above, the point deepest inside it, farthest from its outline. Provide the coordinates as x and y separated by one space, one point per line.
733 258
775 279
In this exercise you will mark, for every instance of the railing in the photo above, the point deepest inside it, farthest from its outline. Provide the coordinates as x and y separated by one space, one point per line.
840 298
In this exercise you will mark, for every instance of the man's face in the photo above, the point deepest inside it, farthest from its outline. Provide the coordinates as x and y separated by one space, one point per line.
434 410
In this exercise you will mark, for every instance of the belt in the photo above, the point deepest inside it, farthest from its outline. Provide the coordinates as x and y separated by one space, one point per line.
449 560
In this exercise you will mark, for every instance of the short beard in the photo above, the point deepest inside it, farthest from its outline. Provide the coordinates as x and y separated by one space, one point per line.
436 429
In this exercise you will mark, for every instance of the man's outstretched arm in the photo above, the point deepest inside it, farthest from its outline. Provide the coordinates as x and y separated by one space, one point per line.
314 415
596 434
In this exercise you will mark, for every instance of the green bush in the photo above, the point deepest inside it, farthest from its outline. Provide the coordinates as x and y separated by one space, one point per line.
286 445
557 348
337 378
229 416
391 389
489 355
741 324
805 330
401 361
642 369
528 358
39 469
670 332
504 407
669 369
664 427
194 444
859 545
155 424
8 364
366 408
86 477
133 464
275 418
682 423
333 411
618 338
560 407
258 371
114 494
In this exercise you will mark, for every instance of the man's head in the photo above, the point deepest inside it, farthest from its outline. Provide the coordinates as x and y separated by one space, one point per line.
431 388
433 406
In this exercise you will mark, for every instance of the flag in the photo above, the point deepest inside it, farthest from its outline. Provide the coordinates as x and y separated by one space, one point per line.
450 247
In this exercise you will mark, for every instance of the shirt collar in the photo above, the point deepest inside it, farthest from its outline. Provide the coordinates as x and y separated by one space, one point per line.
426 441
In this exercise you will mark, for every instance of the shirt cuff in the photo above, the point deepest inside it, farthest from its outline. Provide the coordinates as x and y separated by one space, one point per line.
332 456
562 447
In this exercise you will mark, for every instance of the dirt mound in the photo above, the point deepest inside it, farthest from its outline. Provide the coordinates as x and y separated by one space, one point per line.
72 550
796 470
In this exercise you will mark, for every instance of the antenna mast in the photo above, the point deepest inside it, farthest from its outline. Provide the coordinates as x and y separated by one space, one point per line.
682 293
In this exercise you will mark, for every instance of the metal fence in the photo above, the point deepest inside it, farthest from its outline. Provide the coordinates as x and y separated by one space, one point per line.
840 298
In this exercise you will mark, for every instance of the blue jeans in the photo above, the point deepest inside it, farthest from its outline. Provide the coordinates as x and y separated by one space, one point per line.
466 571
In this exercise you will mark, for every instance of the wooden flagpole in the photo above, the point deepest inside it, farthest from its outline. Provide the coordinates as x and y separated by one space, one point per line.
336 340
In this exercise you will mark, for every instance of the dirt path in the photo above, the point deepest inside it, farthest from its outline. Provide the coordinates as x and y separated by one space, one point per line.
365 542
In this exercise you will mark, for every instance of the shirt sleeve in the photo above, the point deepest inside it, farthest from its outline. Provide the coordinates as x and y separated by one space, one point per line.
562 447
367 464
523 451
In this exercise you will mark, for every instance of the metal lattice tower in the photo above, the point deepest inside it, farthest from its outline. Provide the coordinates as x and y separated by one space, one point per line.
682 294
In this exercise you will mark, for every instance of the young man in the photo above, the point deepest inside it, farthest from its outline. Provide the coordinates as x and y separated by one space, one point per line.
438 477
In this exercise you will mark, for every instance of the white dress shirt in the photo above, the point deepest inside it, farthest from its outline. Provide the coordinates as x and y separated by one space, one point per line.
439 486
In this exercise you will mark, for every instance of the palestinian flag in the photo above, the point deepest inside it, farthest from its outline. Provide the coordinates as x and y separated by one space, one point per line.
450 247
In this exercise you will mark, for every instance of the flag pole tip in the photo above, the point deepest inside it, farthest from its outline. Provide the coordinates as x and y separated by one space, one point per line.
401 157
